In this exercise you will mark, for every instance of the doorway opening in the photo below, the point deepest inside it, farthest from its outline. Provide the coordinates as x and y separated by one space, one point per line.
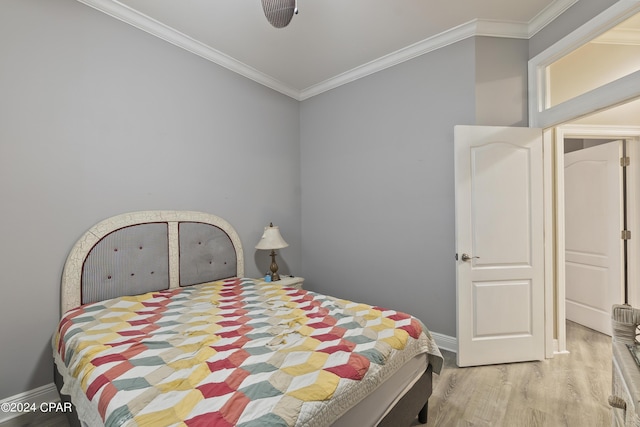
594 229
611 189
604 97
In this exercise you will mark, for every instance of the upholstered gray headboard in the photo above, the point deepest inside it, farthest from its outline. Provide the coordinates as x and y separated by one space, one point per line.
140 252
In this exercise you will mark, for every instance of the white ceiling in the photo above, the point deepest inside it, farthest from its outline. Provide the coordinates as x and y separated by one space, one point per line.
330 42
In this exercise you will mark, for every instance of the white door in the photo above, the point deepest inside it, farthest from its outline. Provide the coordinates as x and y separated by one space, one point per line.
499 224
594 278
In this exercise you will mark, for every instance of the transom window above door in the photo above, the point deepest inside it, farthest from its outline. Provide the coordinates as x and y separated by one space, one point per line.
594 67
608 57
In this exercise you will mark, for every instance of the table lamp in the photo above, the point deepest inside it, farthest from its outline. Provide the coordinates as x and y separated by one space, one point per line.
272 240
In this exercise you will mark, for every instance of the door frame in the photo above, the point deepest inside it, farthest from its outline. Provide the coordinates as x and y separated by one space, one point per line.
632 135
541 115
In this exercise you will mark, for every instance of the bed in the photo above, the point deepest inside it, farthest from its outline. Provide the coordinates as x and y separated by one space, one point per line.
160 327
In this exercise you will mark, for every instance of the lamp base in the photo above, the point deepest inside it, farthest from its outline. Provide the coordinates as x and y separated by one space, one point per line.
274 267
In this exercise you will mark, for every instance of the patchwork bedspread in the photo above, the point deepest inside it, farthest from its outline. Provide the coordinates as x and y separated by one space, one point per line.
228 353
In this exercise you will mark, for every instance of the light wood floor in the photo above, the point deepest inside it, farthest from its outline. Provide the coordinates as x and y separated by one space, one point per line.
568 390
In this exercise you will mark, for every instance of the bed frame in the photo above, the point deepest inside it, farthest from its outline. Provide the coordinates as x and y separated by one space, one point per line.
146 251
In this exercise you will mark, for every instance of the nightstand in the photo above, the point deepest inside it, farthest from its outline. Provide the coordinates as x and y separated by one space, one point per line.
289 281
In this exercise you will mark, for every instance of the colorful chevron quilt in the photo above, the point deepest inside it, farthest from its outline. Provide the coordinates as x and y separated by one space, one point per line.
227 353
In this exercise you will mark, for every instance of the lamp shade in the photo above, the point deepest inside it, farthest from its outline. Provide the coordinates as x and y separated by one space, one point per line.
271 239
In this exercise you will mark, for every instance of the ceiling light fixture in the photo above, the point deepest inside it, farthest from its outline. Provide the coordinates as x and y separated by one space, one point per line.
279 12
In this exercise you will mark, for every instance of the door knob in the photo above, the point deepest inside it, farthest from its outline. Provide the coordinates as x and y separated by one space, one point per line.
466 257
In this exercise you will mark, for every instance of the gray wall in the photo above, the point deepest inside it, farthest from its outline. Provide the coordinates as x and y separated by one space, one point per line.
377 174
501 82
377 185
98 118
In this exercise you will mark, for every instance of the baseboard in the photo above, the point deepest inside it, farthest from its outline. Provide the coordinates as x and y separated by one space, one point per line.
45 394
556 348
448 343
445 342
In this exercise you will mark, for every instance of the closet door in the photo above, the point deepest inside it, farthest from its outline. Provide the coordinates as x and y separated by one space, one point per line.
594 278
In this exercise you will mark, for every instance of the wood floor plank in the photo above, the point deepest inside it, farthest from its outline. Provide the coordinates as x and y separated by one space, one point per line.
569 390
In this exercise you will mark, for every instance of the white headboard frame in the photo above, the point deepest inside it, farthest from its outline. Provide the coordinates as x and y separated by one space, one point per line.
73 269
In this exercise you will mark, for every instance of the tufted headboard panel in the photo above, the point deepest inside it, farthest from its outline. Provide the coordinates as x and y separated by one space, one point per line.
131 260
206 253
146 251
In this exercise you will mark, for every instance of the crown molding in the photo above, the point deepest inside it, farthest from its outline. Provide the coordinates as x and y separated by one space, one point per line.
504 29
548 14
143 22
472 28
412 51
